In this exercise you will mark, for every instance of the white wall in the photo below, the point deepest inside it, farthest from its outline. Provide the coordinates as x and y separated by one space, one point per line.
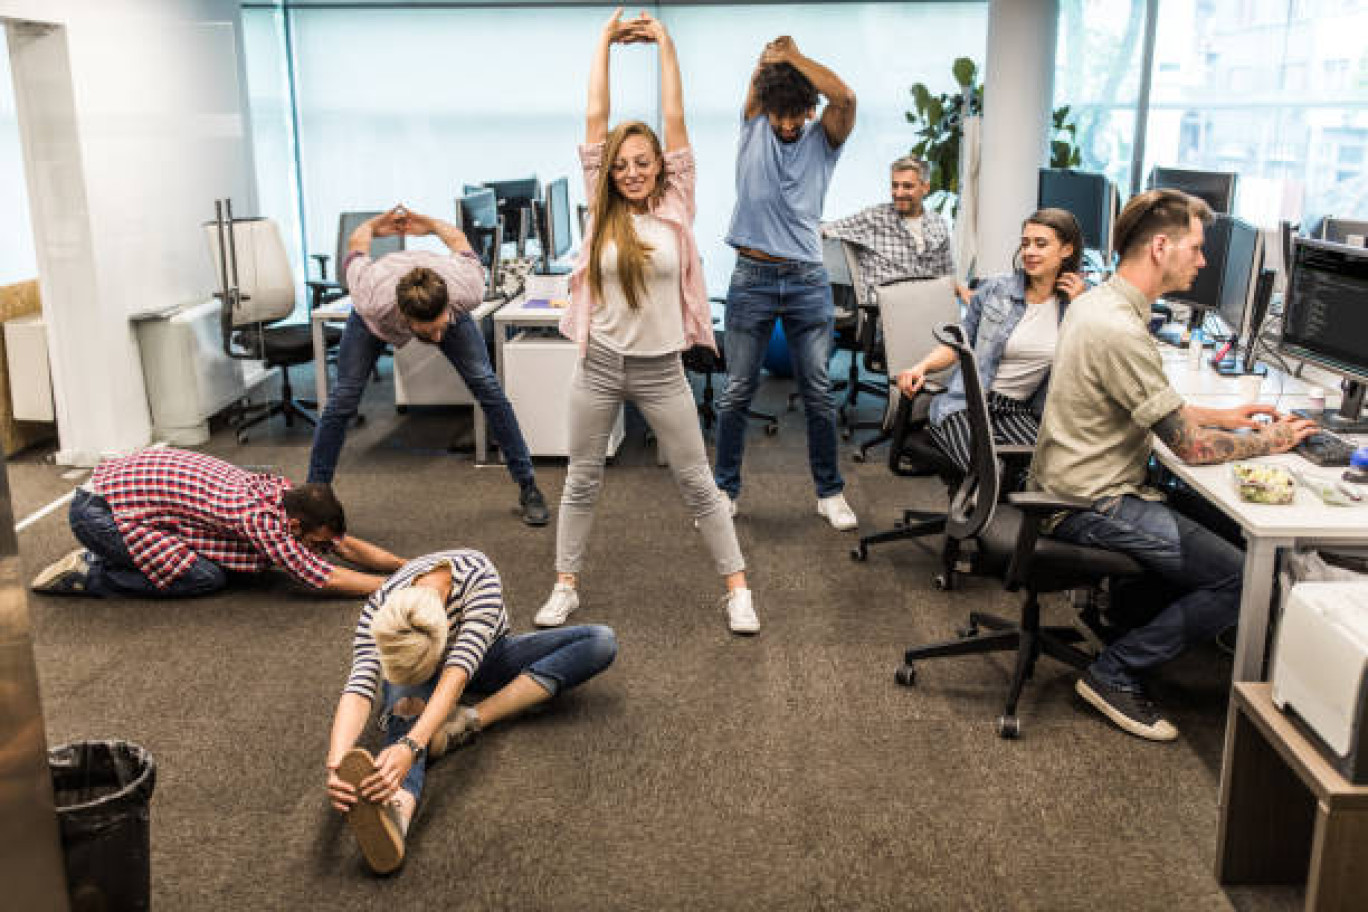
124 154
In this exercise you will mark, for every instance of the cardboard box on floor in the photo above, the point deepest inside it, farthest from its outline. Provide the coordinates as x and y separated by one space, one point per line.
18 300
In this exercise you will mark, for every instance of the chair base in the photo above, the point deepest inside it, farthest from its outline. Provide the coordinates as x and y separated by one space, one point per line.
1028 639
306 410
914 524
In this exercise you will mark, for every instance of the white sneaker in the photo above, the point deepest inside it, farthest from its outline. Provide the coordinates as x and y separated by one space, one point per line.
837 512
564 600
741 617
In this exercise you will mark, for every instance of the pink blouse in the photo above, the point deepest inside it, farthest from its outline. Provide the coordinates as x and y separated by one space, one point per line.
676 208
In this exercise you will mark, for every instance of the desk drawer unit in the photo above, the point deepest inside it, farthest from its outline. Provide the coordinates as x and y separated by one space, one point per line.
537 373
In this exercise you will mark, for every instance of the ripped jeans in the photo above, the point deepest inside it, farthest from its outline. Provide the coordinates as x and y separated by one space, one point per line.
556 659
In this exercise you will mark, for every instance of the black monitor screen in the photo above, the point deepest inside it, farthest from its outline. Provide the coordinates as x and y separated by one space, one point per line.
1325 317
1085 194
479 209
558 214
1206 288
1244 258
1215 188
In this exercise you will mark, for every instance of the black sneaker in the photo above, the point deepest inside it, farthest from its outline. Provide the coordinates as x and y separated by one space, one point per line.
1128 706
534 511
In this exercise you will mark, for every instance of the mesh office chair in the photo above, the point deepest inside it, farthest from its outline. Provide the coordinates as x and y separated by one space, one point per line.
257 291
911 311
1008 544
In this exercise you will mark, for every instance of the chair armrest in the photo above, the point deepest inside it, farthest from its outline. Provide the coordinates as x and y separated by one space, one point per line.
1015 450
1036 505
321 293
932 388
1040 502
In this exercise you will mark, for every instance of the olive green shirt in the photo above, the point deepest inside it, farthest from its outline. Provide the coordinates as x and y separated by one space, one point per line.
1107 389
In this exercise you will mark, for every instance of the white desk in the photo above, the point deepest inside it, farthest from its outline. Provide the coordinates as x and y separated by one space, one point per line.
1266 528
338 311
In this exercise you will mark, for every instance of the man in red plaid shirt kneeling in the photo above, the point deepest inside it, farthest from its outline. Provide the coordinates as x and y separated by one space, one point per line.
170 523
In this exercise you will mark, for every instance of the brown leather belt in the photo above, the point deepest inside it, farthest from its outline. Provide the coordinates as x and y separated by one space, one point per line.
754 254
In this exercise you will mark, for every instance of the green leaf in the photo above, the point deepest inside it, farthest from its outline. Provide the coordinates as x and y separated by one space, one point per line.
964 71
921 96
935 110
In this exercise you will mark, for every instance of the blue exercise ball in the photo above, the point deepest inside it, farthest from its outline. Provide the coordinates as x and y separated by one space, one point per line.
777 360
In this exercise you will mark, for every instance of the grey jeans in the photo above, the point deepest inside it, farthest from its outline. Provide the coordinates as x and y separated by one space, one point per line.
657 385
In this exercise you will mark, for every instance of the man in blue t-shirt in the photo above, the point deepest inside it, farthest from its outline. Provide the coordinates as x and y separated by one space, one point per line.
783 167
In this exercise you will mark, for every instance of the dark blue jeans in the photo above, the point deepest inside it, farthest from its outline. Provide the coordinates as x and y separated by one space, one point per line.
111 567
556 659
464 346
1203 568
799 296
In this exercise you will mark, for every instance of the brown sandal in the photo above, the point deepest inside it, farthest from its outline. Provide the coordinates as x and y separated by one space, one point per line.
375 825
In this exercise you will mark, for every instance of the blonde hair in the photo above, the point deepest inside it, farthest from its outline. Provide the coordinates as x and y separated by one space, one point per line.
612 219
410 631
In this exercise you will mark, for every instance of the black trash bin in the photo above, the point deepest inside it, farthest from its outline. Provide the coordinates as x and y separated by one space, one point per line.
102 790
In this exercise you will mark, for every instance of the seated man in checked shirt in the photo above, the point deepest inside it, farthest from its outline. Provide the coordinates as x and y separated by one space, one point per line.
902 239
170 523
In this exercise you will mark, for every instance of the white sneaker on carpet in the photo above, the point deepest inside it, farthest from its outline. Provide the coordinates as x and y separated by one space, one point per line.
837 512
563 601
741 616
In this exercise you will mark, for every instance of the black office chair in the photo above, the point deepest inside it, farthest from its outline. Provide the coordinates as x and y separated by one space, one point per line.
257 293
1008 544
699 359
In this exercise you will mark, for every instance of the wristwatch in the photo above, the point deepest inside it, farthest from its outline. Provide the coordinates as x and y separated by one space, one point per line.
419 751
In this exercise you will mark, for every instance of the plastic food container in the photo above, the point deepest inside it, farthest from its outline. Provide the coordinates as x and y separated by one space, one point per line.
1263 484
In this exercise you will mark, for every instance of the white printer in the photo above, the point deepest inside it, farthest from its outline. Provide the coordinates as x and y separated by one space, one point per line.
1320 670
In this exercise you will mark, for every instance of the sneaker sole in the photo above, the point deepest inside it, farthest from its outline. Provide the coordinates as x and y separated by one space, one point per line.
72 563
536 520
1121 720
839 528
380 840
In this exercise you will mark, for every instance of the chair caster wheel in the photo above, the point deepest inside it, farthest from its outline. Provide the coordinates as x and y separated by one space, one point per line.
944 582
771 430
858 456
401 409
241 436
906 675
845 434
1009 727
967 632
859 553
360 420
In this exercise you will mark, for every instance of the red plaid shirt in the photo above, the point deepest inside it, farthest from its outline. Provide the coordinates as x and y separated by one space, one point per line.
172 506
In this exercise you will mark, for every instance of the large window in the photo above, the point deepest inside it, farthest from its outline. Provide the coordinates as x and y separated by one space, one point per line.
1275 91
409 104
17 260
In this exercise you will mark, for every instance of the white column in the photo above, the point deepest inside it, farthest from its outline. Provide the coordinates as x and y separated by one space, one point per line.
1018 94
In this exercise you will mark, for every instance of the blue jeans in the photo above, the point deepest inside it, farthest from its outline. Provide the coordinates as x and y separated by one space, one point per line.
798 295
111 567
1204 569
464 346
556 659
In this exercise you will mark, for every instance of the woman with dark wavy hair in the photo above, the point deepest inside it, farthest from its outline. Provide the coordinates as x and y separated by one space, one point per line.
1012 323
637 300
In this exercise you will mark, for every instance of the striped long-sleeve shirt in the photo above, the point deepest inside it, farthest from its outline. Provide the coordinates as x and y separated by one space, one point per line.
475 615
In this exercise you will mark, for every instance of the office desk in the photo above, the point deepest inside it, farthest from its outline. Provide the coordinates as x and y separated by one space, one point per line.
337 312
1266 528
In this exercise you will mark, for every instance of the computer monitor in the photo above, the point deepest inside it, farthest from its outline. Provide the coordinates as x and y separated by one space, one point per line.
1216 188
478 208
1325 321
558 217
1090 196
1243 263
515 197
1345 231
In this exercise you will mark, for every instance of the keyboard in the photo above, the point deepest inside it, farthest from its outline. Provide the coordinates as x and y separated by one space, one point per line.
1326 449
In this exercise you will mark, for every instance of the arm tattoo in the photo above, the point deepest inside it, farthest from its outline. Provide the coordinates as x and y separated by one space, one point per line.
1197 445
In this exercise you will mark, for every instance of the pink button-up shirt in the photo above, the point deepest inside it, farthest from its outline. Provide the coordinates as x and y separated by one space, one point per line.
676 208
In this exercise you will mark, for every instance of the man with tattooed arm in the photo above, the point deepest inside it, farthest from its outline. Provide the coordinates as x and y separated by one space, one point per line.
1108 396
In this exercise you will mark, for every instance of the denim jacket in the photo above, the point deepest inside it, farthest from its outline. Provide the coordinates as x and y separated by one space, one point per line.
993 313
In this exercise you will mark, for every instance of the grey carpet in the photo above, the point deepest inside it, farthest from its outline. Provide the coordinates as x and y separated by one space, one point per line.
787 771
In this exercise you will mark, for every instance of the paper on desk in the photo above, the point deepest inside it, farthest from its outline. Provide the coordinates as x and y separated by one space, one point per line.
547 287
